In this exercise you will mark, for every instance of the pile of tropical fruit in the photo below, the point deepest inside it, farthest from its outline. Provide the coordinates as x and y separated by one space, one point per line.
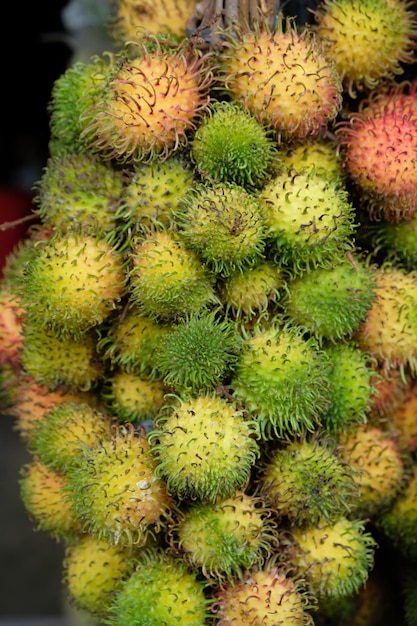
208 339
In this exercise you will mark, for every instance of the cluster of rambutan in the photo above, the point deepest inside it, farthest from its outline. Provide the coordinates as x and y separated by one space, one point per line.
209 338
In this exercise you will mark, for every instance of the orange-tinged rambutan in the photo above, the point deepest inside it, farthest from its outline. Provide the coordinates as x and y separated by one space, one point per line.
12 314
402 418
283 78
368 40
148 105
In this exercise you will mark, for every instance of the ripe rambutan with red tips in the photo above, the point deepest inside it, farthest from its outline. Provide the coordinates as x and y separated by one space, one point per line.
283 78
11 317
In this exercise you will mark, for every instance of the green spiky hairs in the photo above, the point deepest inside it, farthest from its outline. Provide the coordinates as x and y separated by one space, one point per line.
204 447
282 379
231 145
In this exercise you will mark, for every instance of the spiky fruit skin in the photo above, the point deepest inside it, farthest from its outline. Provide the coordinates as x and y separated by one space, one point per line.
131 398
167 280
351 390
307 482
11 318
227 537
73 283
115 491
78 188
154 192
230 145
399 522
67 428
134 20
55 362
198 353
309 220
44 494
368 41
316 154
402 418
204 448
335 558
389 331
377 466
283 79
148 104
162 590
275 364
379 143
265 597
330 303
93 569
397 241
224 225
131 341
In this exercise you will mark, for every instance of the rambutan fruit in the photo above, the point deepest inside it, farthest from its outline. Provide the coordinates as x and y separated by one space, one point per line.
389 331
78 188
306 482
55 362
115 491
369 41
224 538
399 521
402 418
130 342
73 283
230 145
389 393
396 241
92 572
167 280
12 315
131 398
134 20
351 390
335 558
283 78
249 292
65 431
161 590
148 104
309 220
223 224
282 380
315 154
44 494
266 596
330 303
377 465
153 192
198 353
204 447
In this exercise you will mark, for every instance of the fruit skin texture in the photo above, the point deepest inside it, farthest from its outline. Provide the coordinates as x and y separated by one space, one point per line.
162 590
204 448
12 315
131 398
281 379
265 597
368 40
283 79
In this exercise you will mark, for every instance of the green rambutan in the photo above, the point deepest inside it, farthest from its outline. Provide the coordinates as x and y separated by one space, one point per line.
167 280
282 380
330 303
378 468
73 282
198 353
309 220
223 224
148 104
204 447
335 558
368 40
131 398
115 491
352 387
283 78
266 596
307 482
317 155
230 145
396 241
92 572
161 590
224 538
